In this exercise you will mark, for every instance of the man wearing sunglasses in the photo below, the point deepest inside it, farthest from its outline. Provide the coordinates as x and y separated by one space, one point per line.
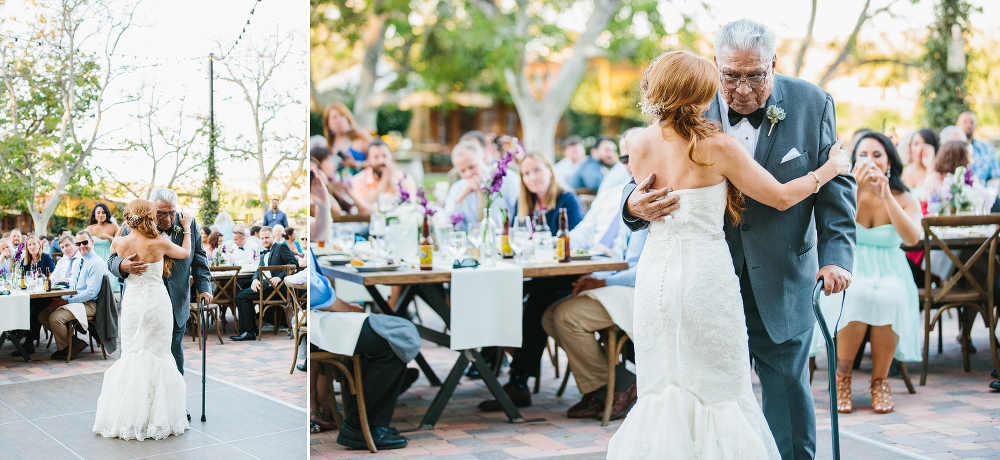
87 275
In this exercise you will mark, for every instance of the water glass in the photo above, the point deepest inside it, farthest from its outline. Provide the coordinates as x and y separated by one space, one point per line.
377 228
343 237
457 243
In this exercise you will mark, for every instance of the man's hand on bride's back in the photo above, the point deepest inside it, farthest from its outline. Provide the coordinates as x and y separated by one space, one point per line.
650 204
132 266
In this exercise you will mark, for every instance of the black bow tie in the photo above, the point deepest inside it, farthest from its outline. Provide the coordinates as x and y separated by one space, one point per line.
265 251
240 248
755 118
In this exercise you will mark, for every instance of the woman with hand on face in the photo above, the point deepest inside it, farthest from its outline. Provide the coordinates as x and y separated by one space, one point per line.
883 295
103 230
923 147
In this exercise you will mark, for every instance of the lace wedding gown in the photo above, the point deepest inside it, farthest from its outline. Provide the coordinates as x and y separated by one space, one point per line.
692 357
143 395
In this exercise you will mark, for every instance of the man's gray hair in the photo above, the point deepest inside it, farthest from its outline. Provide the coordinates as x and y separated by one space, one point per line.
467 147
85 233
66 238
953 133
971 114
163 194
6 240
746 35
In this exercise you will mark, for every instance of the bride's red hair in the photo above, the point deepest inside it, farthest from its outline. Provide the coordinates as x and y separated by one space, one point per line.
674 88
139 215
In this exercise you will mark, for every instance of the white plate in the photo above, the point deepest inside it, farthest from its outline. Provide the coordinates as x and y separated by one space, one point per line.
580 256
377 268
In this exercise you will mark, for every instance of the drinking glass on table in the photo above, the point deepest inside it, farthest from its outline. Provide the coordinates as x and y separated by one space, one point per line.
377 228
475 239
457 243
343 237
520 237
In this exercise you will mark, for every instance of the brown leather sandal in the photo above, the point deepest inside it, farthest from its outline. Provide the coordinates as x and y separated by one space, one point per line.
881 396
844 403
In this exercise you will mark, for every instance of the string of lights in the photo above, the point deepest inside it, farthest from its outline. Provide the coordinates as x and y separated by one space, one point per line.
27 41
240 37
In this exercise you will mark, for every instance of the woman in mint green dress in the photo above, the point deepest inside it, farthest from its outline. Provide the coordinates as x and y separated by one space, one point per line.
882 294
103 231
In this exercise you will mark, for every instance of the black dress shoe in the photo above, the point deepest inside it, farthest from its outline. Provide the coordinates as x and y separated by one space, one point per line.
301 367
521 396
995 384
61 354
243 337
384 438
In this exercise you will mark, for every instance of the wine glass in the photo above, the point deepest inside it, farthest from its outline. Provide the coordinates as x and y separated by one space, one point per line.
457 243
343 237
520 236
377 228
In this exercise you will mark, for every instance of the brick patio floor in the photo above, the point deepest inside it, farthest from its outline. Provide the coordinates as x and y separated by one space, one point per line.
954 416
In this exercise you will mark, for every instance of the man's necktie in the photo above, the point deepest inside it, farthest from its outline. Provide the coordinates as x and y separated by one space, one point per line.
79 270
755 118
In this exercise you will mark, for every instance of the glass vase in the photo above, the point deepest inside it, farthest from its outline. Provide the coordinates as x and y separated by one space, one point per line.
489 246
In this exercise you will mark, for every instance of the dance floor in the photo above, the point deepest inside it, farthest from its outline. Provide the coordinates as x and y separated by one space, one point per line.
53 419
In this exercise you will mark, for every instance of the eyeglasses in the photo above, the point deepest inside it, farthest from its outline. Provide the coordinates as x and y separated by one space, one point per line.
753 81
161 214
623 159
465 263
82 243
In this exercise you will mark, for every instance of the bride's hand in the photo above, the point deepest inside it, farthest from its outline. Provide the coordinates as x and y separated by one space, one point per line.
186 221
840 158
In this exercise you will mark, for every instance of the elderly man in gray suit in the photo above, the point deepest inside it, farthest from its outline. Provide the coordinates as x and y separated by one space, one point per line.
778 255
178 284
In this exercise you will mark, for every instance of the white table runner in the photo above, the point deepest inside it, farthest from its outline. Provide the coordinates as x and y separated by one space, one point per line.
486 306
15 311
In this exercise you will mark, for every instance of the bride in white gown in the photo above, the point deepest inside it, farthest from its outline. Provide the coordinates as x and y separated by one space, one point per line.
692 356
143 395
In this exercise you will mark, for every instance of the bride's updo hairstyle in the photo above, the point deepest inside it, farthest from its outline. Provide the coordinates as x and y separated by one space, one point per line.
140 215
674 88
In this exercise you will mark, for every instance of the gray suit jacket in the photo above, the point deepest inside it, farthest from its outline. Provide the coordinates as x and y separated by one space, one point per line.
178 283
106 316
784 250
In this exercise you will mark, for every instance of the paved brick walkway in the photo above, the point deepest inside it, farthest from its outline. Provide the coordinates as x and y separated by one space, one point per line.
954 416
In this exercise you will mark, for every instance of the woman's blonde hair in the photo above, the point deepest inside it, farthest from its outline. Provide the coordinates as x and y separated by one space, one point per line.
223 217
140 216
673 89
527 203
30 258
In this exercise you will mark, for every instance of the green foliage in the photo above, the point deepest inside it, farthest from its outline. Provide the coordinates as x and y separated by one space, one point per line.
209 204
944 94
392 119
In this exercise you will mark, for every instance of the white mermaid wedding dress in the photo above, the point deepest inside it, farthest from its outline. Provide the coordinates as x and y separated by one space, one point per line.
143 395
692 356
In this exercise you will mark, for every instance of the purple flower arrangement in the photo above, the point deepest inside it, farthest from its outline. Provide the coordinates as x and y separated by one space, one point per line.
404 196
422 195
457 219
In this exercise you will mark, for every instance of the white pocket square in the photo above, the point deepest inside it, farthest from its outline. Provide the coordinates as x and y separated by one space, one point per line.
791 155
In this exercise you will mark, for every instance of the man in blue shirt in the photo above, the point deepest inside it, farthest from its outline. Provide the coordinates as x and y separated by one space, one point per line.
88 275
985 164
602 158
275 216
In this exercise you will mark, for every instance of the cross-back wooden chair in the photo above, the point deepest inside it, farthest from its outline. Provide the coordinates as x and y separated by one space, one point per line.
278 297
961 290
226 288
346 370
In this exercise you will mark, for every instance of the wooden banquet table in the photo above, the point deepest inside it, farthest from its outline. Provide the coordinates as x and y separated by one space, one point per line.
7 313
429 286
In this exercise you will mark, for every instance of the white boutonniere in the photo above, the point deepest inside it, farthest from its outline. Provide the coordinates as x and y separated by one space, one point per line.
774 114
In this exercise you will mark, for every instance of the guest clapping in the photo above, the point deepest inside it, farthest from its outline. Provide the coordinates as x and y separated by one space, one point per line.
883 296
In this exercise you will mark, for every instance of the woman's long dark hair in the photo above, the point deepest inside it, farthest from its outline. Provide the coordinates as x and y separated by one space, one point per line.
93 213
895 164
930 137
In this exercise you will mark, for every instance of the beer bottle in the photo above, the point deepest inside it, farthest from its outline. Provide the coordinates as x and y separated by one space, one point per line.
505 238
543 225
426 247
48 280
562 237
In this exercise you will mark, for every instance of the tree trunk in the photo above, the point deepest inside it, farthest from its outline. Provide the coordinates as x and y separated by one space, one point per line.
365 110
800 59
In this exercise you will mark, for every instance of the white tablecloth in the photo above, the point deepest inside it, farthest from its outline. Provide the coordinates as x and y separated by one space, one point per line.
486 306
336 332
15 311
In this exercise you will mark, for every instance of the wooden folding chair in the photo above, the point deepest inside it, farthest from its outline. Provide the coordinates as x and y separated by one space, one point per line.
961 290
298 317
346 369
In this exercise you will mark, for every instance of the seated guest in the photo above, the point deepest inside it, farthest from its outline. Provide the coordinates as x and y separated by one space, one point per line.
923 148
205 233
224 224
291 239
480 139
255 235
882 299
952 155
598 301
603 156
272 255
381 175
465 197
323 165
574 155
241 251
343 136
16 238
65 268
617 175
600 229
6 255
87 278
55 245
985 164
540 192
35 262
212 244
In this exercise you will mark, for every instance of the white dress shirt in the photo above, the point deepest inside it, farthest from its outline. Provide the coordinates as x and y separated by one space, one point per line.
248 255
743 131
65 268
605 210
